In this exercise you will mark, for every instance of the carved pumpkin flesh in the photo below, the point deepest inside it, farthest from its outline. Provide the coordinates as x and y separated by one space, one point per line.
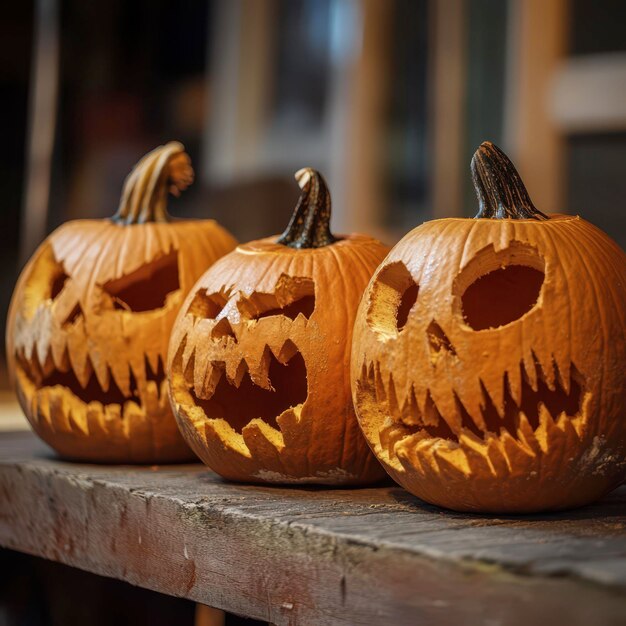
91 316
259 356
489 355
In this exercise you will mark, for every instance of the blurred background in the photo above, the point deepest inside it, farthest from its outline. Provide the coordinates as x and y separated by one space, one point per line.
388 98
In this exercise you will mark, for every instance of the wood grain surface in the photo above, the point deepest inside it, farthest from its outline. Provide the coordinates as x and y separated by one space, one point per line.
313 556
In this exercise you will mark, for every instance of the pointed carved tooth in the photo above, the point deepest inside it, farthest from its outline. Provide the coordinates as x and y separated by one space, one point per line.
472 403
381 395
517 453
392 399
530 370
60 355
410 414
83 374
188 355
264 442
43 354
238 374
41 404
497 456
563 375
544 413
150 397
260 373
95 418
287 351
364 376
430 416
120 372
569 426
476 454
493 387
78 418
113 412
78 354
526 434
548 374
153 358
131 411
58 412
514 381
452 463
101 371
546 424
205 387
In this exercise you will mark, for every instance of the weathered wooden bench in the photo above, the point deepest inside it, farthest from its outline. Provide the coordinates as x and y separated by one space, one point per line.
313 556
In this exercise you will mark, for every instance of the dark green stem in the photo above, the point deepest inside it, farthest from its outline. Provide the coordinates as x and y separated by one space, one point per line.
309 226
500 190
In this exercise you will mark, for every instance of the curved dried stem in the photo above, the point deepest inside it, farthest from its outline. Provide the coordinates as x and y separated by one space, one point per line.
309 226
144 197
500 190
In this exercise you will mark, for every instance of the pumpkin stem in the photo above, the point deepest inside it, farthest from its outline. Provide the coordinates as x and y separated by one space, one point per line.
309 226
144 197
500 190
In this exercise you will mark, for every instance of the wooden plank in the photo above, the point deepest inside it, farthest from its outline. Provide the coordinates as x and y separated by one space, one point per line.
313 556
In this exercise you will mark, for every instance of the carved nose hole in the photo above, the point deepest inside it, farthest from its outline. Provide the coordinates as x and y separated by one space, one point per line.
438 340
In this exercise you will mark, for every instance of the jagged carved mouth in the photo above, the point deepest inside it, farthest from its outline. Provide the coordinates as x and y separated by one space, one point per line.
279 387
44 379
537 402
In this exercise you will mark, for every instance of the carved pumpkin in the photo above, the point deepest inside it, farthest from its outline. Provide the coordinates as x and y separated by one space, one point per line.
489 355
259 355
91 315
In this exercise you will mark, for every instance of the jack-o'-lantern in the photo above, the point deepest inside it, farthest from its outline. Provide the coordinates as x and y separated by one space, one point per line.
91 315
259 356
489 355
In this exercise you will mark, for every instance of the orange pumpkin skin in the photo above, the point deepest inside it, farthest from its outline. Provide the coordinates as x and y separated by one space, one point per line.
500 386
259 363
89 324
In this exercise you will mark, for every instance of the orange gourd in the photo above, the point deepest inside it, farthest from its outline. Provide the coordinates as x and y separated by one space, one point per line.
489 355
91 315
259 355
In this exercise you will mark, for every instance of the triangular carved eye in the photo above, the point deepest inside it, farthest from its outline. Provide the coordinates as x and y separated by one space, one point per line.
58 283
146 288
293 296
207 305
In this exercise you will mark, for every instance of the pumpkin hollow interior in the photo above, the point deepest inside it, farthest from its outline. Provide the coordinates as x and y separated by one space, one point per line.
239 404
534 399
147 287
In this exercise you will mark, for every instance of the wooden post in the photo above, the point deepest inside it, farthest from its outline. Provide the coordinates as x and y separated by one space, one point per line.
448 68
538 32
366 121
42 111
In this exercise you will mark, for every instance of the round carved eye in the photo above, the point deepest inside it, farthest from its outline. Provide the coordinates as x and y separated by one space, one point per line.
394 293
498 288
